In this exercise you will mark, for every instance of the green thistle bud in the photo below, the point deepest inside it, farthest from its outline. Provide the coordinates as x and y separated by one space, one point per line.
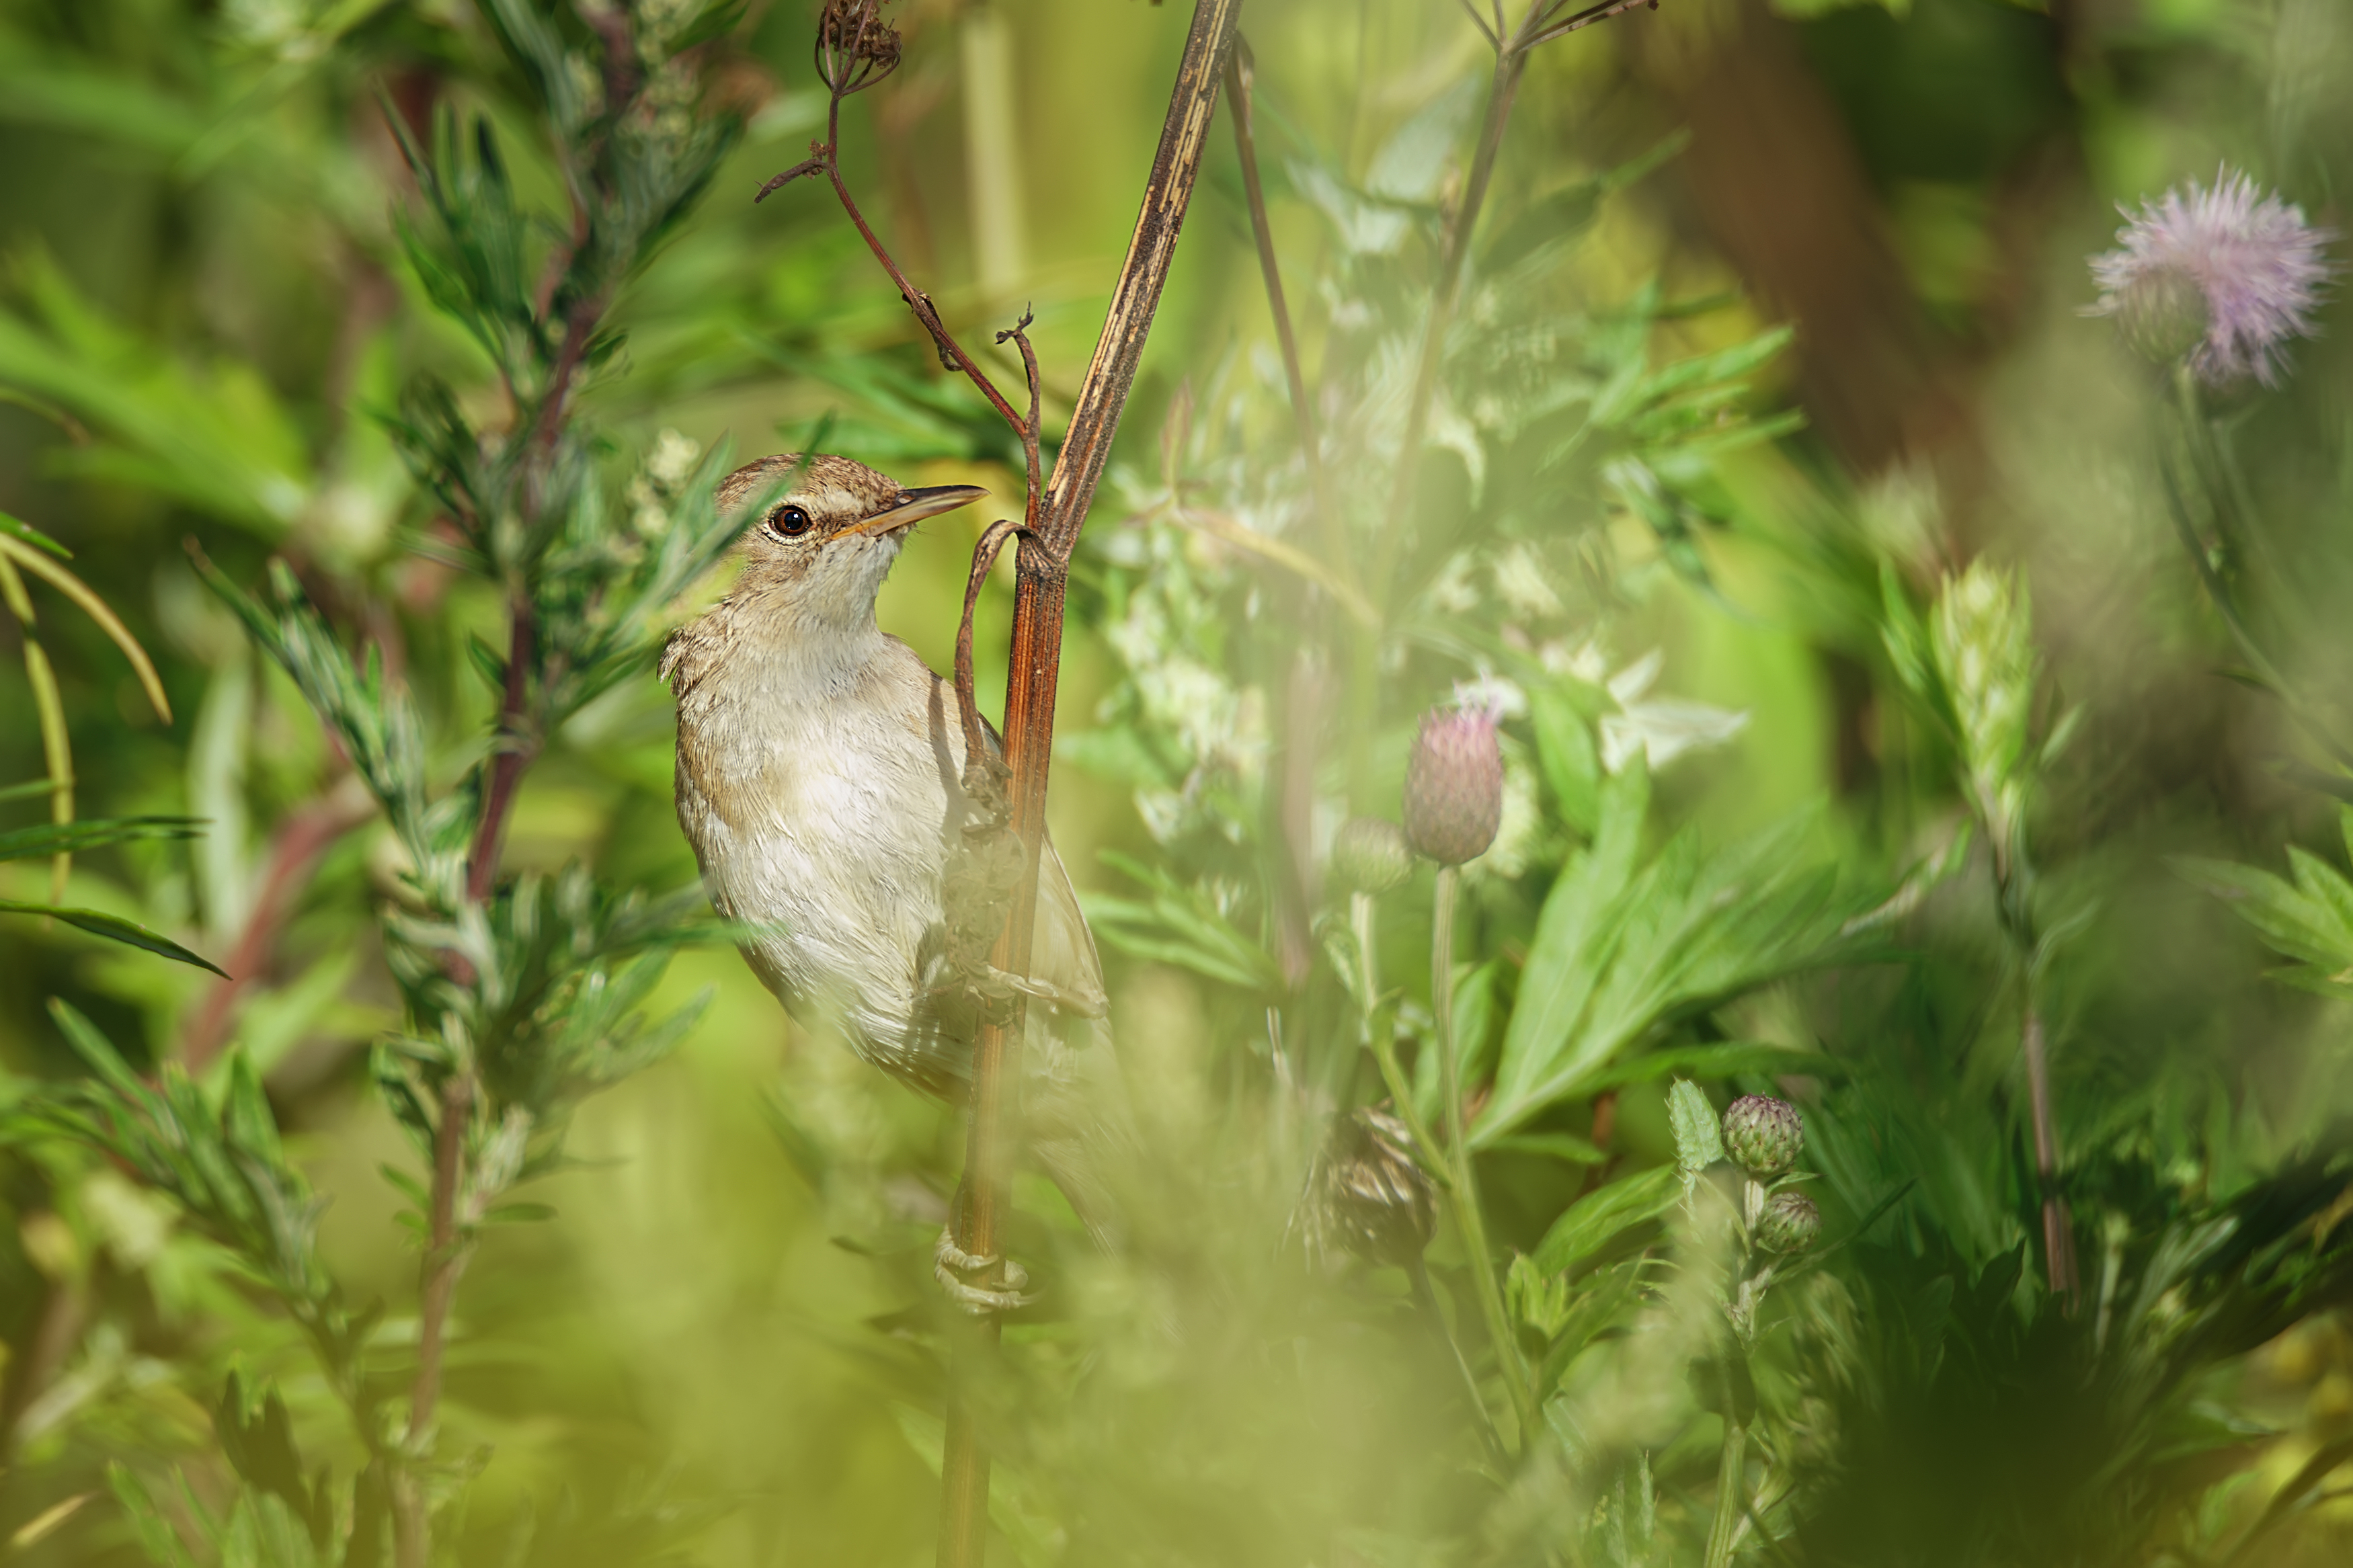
1763 1135
1789 1224
1368 1195
1454 788
1370 855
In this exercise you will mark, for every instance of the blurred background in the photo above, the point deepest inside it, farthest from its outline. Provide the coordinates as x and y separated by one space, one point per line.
721 1336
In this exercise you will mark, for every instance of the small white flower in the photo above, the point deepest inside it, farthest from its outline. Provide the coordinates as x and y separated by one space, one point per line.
1663 728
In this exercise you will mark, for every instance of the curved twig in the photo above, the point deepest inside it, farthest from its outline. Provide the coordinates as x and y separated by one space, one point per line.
976 749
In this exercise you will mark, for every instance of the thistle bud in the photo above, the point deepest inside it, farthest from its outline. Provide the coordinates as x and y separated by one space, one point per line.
1369 854
1454 786
1789 1224
1763 1135
1367 1194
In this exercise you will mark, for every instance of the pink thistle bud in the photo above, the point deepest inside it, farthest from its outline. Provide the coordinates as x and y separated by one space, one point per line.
2226 274
1454 786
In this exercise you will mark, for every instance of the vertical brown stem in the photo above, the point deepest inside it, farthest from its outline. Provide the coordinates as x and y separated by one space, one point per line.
302 840
2058 1226
1035 668
517 745
1510 62
1240 76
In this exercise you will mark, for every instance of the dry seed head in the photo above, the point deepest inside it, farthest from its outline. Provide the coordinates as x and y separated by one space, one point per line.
855 47
1454 786
1367 1194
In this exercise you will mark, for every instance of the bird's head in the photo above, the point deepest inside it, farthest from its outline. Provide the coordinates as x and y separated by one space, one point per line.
822 546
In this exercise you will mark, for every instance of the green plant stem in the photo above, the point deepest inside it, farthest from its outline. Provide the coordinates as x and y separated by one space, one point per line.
1730 1499
2220 475
56 749
2218 590
1424 1296
1381 1040
1464 1188
444 1260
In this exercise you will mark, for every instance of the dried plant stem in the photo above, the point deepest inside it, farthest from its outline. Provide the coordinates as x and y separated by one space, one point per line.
1033 675
1510 63
824 159
1240 76
1463 1189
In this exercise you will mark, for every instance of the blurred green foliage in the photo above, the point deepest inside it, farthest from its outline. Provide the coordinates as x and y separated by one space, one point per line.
1837 764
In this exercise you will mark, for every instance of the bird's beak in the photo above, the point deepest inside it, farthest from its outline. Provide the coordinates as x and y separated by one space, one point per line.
913 506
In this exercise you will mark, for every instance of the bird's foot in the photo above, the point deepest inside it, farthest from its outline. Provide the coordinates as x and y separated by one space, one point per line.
950 1263
994 984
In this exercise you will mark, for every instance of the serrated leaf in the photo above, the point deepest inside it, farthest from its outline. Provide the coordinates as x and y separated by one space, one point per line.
1601 1216
1699 1137
1724 1059
1624 948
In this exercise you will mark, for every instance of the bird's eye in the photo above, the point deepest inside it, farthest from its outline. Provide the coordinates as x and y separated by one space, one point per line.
788 522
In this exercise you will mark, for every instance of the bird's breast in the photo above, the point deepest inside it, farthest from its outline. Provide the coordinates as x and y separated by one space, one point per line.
828 820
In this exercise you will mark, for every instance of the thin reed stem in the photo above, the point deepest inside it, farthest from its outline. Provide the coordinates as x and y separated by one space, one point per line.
1240 81
1033 677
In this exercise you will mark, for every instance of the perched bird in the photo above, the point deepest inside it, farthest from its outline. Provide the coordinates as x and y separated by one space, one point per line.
820 779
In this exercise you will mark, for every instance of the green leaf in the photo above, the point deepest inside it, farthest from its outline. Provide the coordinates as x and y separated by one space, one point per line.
73 837
114 928
1699 1137
1182 927
1563 1146
33 536
2309 920
1624 949
1725 1059
1601 1216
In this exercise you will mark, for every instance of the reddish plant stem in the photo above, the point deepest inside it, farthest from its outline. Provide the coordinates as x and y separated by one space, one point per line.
824 156
1035 669
302 839
517 745
2058 1227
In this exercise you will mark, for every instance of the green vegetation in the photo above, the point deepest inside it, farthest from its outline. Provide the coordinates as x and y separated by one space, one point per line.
1714 783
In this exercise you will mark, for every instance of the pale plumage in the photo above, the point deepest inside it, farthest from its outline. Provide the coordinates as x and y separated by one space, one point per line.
819 763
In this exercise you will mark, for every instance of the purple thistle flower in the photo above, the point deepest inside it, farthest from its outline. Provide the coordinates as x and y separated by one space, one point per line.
2225 274
1454 786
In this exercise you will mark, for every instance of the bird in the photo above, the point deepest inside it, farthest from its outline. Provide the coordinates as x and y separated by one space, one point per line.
820 781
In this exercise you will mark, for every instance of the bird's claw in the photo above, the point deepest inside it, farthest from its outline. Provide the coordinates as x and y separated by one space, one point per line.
951 1262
